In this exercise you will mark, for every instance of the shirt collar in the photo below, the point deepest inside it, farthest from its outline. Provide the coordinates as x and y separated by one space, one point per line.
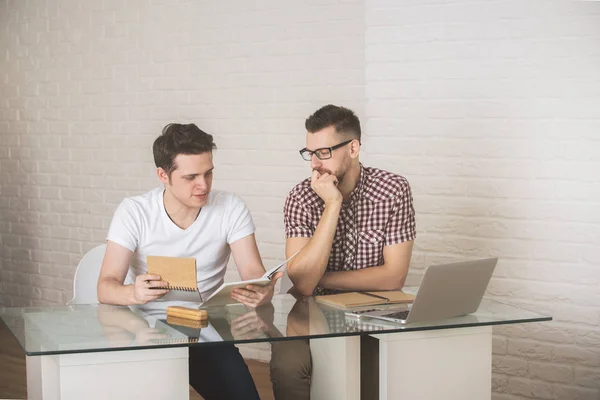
357 192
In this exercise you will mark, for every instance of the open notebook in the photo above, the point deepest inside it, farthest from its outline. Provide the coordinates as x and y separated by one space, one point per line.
180 273
222 296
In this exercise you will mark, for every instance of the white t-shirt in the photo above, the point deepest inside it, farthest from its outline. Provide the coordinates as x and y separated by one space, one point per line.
142 225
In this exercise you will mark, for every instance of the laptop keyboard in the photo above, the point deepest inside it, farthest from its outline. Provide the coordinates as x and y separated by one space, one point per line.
398 315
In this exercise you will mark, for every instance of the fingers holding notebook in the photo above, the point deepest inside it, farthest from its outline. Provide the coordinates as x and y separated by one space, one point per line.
256 295
149 287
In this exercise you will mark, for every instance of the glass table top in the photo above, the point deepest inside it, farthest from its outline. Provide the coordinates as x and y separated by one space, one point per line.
96 328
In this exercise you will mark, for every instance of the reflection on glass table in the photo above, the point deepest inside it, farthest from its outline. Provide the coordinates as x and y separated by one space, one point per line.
84 328
78 347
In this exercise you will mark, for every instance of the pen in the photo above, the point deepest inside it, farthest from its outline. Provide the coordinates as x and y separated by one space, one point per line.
374 295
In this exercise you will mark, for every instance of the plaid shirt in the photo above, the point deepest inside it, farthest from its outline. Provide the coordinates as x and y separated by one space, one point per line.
379 213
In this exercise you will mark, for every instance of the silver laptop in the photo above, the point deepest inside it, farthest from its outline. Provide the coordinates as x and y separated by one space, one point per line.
447 291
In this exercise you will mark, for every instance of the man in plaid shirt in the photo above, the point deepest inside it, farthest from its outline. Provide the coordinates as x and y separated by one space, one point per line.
354 224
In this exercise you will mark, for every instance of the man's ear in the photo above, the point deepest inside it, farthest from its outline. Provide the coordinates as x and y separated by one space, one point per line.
354 148
163 176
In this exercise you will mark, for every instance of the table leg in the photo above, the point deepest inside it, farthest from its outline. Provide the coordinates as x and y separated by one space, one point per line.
130 374
449 364
336 368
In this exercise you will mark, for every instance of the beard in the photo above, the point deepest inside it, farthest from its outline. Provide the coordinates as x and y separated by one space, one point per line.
339 174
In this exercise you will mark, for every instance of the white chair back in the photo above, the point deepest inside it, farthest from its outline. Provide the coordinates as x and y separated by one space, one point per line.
85 282
86 277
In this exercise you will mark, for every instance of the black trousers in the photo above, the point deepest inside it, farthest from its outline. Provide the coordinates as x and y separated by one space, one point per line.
219 371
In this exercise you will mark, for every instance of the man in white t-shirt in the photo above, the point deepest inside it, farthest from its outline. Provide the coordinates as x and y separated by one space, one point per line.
185 219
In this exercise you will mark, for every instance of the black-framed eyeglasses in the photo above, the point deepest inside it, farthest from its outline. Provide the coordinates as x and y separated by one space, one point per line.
323 153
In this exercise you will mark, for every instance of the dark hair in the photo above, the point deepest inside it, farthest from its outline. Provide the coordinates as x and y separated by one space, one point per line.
180 139
343 119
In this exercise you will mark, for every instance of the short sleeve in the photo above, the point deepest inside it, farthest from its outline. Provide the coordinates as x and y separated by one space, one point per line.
297 222
239 220
402 225
125 226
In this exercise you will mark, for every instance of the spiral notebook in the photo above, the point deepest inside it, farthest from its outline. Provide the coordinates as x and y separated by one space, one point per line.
179 272
222 296
358 299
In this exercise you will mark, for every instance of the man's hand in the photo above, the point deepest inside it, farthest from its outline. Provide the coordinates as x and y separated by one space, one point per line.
325 186
255 295
148 288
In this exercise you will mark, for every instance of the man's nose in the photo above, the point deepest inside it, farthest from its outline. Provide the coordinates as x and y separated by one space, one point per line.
315 162
201 183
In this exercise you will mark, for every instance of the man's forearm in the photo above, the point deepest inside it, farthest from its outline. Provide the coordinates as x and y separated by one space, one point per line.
373 278
309 265
111 291
253 273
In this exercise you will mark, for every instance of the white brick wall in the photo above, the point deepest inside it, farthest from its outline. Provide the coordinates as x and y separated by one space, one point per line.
492 110
85 87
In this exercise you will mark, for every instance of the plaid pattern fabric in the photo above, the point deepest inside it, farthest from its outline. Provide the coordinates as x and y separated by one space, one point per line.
379 213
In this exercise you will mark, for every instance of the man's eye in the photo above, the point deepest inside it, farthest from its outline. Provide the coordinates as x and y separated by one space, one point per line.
189 178
322 152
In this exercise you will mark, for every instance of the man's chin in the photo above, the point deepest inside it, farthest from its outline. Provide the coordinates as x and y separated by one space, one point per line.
199 200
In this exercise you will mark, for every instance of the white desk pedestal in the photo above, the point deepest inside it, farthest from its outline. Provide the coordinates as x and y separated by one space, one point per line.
449 364
132 374
336 368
